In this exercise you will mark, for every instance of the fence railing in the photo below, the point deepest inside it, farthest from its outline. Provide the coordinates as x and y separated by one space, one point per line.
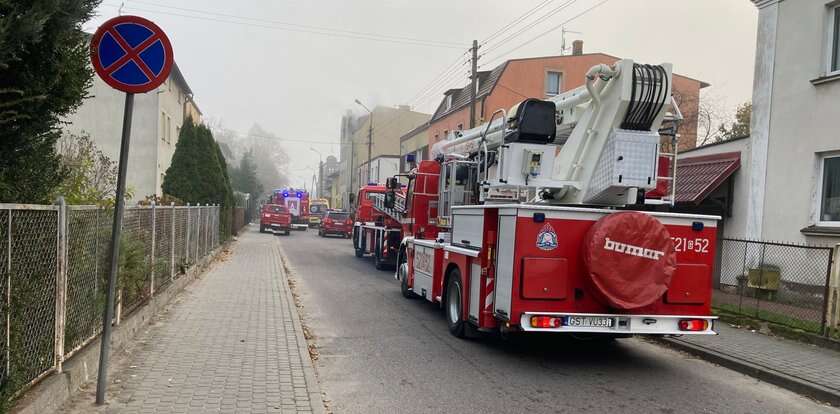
776 282
54 263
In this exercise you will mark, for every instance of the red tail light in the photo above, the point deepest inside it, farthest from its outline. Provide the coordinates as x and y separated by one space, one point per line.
349 221
693 325
328 221
546 322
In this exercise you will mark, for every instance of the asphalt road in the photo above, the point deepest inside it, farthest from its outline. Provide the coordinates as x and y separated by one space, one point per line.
381 353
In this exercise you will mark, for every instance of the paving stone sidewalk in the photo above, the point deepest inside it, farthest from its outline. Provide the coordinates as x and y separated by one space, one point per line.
232 344
789 363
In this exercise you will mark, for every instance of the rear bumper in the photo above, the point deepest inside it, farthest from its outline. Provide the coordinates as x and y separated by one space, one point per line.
336 230
624 324
278 226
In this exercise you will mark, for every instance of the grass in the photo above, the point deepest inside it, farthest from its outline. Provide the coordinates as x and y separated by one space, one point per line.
773 317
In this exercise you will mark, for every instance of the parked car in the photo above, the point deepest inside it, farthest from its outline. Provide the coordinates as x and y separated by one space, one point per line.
336 222
275 218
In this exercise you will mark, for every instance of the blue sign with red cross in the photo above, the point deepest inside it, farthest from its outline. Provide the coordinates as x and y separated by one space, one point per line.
131 54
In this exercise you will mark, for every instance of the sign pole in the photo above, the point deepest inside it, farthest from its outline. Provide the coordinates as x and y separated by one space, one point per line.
102 377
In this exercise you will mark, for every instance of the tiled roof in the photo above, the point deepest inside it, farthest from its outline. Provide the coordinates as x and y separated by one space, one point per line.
461 97
698 176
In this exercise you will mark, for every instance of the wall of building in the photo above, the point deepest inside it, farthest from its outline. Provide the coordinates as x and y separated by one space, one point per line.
802 121
101 117
172 102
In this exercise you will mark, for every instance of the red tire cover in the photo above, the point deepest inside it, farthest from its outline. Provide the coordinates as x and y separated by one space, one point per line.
630 259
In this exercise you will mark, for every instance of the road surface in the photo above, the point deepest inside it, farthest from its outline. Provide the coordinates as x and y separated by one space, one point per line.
381 353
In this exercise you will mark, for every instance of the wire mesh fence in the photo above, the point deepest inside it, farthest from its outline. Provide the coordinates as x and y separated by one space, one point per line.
54 266
775 282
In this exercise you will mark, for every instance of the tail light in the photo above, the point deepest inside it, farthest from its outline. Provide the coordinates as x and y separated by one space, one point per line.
546 322
266 215
328 221
693 325
349 221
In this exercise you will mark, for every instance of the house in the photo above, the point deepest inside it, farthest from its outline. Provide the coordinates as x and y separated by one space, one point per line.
793 159
156 125
373 137
544 77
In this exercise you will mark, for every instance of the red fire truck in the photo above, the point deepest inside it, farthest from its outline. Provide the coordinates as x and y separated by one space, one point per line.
537 221
297 202
376 229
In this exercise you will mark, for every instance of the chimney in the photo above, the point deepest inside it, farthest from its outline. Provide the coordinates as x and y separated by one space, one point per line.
577 47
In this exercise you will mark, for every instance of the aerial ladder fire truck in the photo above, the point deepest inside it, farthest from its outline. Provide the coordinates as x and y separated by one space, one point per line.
377 229
540 220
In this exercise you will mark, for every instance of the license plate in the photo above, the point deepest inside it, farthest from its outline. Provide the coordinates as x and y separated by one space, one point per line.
589 321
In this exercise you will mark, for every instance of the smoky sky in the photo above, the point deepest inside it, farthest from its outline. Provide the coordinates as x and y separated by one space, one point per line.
295 67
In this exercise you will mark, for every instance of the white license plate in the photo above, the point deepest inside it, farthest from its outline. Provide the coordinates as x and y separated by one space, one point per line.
590 321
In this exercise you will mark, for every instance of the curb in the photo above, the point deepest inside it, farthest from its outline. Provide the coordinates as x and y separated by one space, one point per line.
769 375
316 398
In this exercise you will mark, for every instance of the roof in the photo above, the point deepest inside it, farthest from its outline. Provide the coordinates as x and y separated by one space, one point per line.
712 144
179 78
698 176
461 97
487 82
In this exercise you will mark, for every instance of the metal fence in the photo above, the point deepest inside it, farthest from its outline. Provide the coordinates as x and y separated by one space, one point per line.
54 263
776 282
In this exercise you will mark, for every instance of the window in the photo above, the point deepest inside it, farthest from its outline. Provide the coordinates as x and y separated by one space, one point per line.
830 190
447 104
834 32
460 127
553 82
168 127
177 133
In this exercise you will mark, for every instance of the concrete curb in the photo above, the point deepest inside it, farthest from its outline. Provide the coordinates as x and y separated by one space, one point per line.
763 373
316 398
50 394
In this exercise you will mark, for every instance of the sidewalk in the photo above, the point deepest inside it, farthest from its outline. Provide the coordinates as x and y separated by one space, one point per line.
802 368
233 343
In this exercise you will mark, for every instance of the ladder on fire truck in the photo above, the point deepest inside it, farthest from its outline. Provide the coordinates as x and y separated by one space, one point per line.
395 213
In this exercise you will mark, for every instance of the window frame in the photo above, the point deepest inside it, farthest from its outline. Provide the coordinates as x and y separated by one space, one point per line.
821 187
560 76
832 35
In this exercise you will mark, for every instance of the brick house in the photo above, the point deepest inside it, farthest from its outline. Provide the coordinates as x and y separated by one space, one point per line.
543 77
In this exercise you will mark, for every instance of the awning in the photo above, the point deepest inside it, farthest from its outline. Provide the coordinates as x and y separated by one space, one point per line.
698 176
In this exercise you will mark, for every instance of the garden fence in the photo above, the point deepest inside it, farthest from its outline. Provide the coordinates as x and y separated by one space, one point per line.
54 263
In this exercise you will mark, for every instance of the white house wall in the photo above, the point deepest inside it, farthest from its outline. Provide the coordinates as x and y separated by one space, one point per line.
803 122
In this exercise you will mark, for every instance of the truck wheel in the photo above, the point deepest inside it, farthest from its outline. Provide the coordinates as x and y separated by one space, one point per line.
287 232
453 305
403 275
378 263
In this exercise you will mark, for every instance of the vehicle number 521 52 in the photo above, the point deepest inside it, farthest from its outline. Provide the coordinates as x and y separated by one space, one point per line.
683 244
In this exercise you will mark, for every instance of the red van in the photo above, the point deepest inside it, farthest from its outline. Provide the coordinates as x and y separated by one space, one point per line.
275 218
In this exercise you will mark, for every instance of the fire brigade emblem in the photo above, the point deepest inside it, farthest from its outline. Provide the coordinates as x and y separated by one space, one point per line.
547 238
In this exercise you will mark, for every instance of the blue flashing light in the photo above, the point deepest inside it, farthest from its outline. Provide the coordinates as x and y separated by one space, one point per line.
299 194
285 194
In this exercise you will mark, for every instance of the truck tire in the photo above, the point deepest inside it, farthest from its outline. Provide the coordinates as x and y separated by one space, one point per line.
262 228
288 232
453 305
378 263
402 270
359 243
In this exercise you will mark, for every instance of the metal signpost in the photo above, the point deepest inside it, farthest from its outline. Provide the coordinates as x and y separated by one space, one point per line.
133 55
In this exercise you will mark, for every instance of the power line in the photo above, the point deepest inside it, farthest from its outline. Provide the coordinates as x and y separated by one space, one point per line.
539 20
515 21
277 22
428 43
549 30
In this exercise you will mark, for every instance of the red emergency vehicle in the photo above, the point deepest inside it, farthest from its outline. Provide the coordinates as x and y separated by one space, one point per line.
536 221
275 218
296 202
376 229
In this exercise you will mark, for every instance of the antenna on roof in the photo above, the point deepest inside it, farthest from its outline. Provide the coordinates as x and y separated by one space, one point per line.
563 32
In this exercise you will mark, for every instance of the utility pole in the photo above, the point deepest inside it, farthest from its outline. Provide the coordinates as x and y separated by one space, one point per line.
474 83
370 144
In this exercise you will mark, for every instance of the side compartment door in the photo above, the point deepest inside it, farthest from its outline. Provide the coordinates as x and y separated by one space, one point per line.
424 266
505 252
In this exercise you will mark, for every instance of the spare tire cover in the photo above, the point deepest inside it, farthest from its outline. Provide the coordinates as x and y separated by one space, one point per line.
630 259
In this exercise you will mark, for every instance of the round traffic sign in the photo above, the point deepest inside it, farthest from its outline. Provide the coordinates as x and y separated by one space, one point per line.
131 54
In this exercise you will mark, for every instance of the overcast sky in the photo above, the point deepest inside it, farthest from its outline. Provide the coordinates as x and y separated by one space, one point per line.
259 61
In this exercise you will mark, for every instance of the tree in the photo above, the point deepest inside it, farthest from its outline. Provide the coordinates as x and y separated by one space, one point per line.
198 173
44 74
90 177
244 178
740 127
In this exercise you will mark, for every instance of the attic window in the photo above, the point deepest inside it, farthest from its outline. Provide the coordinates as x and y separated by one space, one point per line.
447 104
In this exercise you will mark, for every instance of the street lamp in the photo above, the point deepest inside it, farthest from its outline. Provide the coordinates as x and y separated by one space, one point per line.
320 191
370 136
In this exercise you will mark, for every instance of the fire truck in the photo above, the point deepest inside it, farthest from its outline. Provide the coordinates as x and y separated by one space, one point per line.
552 217
297 202
377 229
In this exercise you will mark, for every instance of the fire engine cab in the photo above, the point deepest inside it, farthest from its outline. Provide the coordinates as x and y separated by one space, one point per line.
538 220
296 202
